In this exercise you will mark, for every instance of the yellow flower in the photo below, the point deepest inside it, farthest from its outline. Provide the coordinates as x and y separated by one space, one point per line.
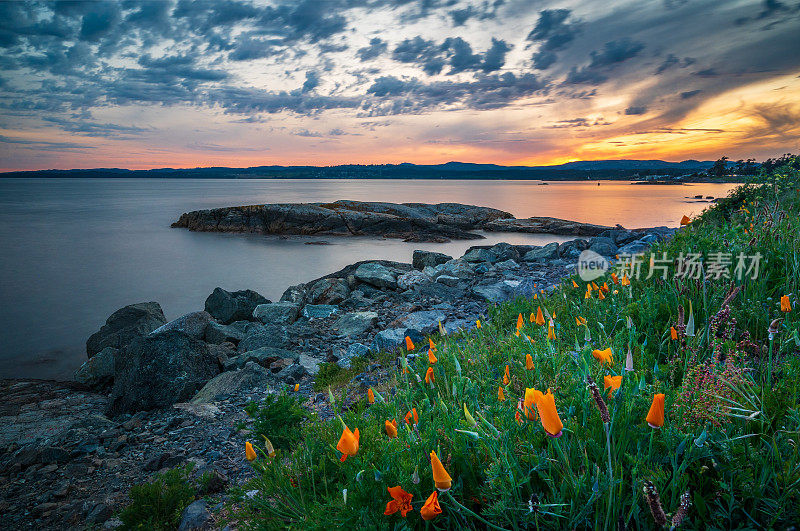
478 323
625 281
296 387
249 453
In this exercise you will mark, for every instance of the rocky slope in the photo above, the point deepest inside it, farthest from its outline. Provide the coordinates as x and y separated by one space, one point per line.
155 395
409 221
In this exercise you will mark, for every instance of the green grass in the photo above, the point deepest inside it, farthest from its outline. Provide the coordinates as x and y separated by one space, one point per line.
158 504
729 442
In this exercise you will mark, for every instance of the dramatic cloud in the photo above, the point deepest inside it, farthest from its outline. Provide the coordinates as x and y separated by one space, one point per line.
304 80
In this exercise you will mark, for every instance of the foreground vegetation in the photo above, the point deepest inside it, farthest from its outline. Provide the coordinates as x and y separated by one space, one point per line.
723 352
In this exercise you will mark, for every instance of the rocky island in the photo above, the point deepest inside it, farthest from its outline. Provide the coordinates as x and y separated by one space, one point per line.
418 222
154 394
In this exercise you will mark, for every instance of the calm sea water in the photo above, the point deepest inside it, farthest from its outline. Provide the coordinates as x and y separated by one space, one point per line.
74 250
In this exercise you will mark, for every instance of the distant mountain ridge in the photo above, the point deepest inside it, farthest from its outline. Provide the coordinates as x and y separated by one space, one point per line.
591 169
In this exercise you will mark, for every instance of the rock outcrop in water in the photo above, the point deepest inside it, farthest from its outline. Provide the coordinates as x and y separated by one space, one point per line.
410 221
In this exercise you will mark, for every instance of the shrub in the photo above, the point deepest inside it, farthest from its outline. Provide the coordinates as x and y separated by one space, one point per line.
159 503
278 417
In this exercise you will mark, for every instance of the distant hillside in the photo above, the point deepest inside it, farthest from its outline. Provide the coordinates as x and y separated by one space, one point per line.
598 169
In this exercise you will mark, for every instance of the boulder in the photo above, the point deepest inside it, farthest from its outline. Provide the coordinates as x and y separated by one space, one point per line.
507 265
447 280
421 259
218 333
277 312
490 292
125 325
376 275
309 363
319 311
411 279
572 249
98 372
193 324
355 323
504 251
479 254
264 356
635 247
547 252
196 517
229 306
155 372
354 350
292 374
424 322
296 294
456 268
271 335
232 383
393 338
329 291
603 246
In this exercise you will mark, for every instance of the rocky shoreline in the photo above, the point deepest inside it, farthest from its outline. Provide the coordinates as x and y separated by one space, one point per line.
156 394
416 222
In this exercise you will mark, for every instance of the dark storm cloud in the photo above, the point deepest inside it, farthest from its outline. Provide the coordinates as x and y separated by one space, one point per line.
100 21
672 60
454 51
553 29
603 60
377 47
690 94
635 110
253 100
487 10
398 96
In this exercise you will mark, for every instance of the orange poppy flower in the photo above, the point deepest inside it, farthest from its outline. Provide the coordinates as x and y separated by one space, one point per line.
429 378
478 323
551 422
786 306
520 321
401 501
506 376
431 344
588 295
685 220
441 478
655 417
528 362
348 443
600 295
625 281
531 397
296 387
539 316
535 296
574 284
431 509
390 428
614 278
605 356
371 396
409 344
612 382
595 286
551 333
673 333
432 359
249 453
500 395
411 413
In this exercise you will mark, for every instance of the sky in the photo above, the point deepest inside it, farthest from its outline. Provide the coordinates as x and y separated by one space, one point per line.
144 84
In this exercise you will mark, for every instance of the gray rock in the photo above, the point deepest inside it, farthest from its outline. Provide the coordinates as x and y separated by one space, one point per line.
269 335
277 312
233 383
491 292
193 324
376 275
354 350
309 363
456 268
264 356
98 371
504 251
292 374
355 323
459 325
393 338
319 311
229 306
295 294
543 253
329 291
219 333
125 325
157 371
603 246
635 247
479 255
412 278
196 517
572 249
424 322
423 259
507 265
447 280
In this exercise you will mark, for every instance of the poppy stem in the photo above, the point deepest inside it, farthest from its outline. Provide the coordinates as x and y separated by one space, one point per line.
472 513
650 448
563 458
769 366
